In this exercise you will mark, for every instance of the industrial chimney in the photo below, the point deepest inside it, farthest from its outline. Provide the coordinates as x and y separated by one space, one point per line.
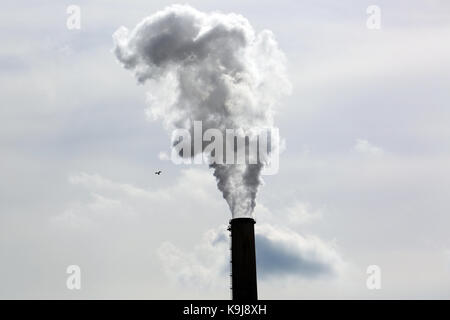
243 259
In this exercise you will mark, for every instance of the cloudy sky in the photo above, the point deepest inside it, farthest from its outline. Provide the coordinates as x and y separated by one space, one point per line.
364 178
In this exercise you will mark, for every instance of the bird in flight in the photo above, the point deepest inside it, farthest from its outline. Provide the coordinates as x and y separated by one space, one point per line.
158 172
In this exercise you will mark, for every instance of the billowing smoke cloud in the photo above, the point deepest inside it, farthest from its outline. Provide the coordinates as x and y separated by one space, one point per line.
211 68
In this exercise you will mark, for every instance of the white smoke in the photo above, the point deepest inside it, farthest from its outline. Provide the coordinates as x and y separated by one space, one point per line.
213 68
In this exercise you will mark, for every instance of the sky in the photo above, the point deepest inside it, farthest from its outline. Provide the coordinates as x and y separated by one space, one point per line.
363 180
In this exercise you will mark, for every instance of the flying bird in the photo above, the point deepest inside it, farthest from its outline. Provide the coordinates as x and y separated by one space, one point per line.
158 172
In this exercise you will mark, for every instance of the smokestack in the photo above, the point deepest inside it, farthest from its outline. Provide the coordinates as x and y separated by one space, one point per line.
243 259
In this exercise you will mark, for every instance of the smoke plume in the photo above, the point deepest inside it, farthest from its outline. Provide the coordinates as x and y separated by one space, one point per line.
213 68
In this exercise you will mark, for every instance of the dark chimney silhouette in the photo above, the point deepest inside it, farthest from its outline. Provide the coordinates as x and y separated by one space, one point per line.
243 259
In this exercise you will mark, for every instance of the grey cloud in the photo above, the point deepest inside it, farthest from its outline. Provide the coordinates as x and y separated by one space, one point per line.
284 252
280 252
275 259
